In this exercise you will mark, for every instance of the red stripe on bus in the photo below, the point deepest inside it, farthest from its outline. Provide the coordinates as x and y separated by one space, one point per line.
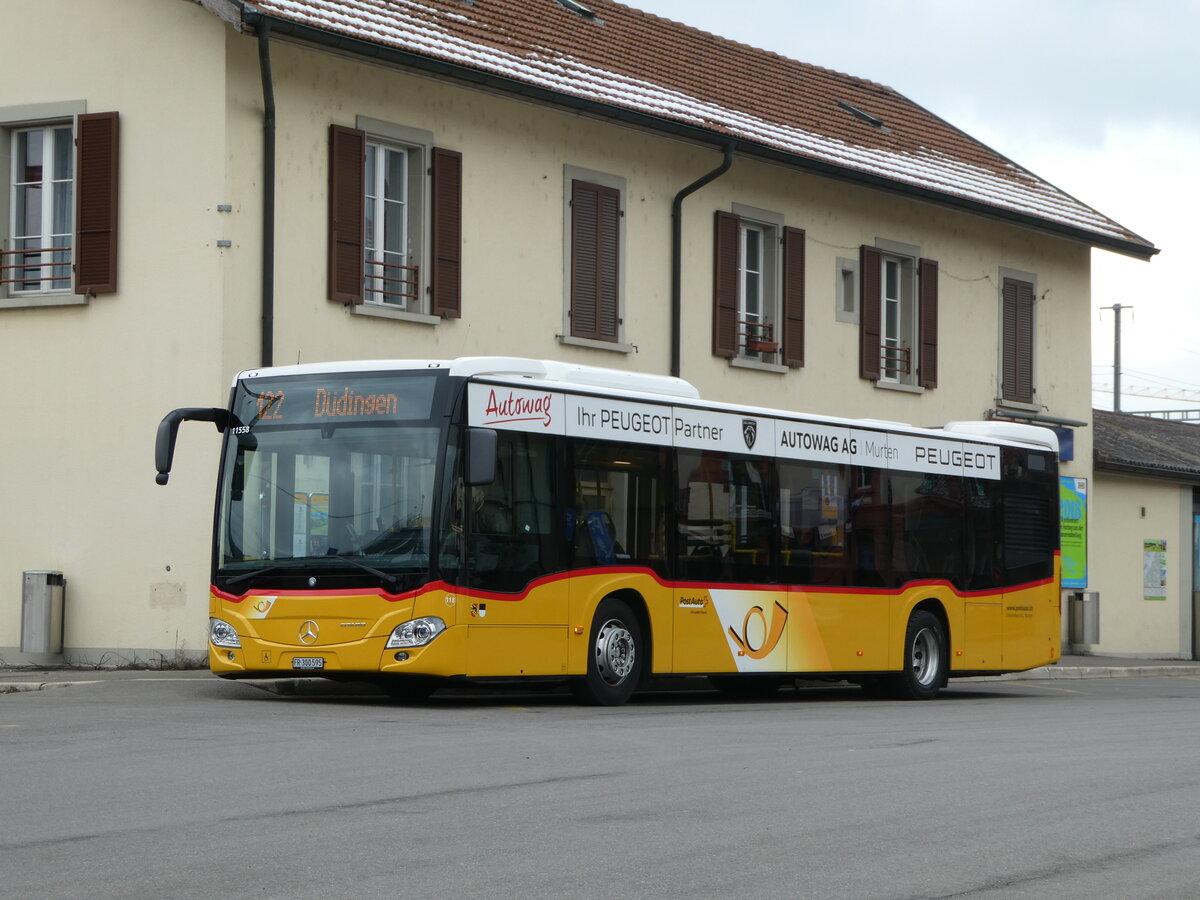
631 570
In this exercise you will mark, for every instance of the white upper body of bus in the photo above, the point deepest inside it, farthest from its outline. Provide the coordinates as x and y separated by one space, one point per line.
648 388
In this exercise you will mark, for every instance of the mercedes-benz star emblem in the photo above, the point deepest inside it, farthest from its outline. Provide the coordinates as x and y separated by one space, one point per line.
309 632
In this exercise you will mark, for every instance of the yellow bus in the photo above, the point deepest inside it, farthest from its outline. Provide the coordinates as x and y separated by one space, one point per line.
420 524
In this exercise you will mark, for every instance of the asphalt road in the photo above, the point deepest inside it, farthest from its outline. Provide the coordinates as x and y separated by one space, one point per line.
179 786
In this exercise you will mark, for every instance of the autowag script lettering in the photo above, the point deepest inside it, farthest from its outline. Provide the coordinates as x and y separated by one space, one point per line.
517 408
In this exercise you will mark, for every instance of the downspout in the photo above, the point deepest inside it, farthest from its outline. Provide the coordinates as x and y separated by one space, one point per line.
263 27
677 256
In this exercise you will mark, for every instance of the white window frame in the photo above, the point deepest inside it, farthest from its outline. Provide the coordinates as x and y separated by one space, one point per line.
416 145
768 226
902 334
33 117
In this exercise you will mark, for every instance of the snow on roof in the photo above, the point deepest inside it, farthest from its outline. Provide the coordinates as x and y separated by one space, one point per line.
627 59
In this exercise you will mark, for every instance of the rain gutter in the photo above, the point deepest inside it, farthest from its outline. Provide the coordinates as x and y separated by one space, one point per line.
263 27
677 256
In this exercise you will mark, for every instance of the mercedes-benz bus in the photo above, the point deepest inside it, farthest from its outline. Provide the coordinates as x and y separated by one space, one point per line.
420 524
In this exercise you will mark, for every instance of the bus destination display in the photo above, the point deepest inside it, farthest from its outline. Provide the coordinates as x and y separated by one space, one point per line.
319 401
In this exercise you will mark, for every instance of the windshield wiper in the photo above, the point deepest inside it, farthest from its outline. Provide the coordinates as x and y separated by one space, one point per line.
251 574
391 581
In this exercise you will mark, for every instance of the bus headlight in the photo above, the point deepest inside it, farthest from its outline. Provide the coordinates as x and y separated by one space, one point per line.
221 634
416 632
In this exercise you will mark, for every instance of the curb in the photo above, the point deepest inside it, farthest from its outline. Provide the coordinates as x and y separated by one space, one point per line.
1069 673
20 687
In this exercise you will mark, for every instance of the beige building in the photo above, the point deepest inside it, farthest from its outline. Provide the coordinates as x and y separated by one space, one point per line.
195 188
1145 547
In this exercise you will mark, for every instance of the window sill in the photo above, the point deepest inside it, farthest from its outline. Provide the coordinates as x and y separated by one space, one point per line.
398 315
741 362
612 346
1017 404
897 386
34 302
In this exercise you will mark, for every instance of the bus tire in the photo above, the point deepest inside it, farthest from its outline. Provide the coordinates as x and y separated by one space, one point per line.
616 656
925 658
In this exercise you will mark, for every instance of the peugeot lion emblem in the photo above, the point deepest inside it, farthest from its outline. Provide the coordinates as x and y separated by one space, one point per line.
749 432
309 632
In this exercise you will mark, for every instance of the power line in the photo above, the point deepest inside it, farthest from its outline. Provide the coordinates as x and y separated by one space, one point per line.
1155 391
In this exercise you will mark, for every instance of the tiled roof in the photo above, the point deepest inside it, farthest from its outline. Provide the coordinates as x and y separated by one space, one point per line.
1147 446
685 80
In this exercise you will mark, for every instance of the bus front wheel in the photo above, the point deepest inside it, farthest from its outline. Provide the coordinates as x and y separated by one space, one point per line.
925 658
615 656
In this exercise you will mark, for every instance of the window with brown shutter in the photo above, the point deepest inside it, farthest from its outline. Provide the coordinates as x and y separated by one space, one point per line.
870 264
1017 341
446 226
927 360
758 288
898 315
96 171
347 151
793 297
595 261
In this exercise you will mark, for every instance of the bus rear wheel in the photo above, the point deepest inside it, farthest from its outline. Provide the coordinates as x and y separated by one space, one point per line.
926 660
616 656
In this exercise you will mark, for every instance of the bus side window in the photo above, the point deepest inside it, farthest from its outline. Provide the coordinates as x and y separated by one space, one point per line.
868 528
725 523
927 527
981 505
512 538
619 506
813 505
705 535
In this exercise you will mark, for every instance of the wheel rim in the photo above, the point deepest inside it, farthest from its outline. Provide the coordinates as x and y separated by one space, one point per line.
926 656
614 652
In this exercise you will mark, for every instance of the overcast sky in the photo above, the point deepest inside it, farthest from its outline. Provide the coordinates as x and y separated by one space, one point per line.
1099 97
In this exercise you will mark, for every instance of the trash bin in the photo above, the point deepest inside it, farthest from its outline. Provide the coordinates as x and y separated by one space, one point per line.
42 612
1083 617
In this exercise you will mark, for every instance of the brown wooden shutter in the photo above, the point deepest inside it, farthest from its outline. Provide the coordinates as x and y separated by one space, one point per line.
927 363
870 328
725 284
793 297
595 261
347 157
1017 348
446 227
96 169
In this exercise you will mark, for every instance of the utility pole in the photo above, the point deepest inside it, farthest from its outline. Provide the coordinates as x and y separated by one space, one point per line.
1116 308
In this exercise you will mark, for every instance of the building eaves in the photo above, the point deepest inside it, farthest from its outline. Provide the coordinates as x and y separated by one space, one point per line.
653 73
1139 445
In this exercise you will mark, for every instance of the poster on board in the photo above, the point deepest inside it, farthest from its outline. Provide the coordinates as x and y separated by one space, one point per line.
1154 570
1072 498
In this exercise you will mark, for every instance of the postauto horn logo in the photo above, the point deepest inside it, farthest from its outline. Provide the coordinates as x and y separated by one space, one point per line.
773 632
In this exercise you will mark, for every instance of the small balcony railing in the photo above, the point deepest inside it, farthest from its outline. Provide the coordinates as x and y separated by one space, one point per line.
895 361
390 283
757 337
36 268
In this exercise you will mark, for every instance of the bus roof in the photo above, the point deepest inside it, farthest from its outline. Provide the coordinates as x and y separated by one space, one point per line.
645 387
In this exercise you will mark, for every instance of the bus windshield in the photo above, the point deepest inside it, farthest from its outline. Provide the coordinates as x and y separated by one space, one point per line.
329 476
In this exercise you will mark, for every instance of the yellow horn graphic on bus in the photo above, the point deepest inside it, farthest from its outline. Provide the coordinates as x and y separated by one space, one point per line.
774 633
